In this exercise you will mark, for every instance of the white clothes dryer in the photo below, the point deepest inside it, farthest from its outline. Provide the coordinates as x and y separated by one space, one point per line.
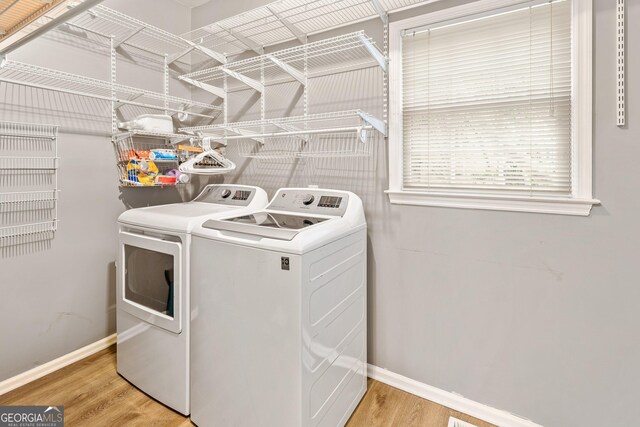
153 292
279 313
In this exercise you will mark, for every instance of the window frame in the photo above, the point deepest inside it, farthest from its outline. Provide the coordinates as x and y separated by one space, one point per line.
581 199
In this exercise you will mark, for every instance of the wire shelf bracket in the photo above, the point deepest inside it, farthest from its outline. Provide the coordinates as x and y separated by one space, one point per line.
299 76
374 52
214 90
381 11
252 83
302 37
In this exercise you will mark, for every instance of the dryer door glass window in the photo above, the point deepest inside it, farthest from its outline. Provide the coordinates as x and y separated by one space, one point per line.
149 279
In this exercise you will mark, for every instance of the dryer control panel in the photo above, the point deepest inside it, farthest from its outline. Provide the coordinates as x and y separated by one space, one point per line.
311 201
231 195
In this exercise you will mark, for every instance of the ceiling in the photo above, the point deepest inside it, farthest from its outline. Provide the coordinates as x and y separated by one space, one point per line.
192 3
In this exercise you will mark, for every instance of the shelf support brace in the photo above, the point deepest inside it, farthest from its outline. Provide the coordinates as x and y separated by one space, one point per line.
375 53
377 124
291 27
380 11
244 79
173 58
299 76
118 43
245 41
210 53
217 91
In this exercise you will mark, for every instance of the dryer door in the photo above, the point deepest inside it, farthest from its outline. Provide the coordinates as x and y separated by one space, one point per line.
149 280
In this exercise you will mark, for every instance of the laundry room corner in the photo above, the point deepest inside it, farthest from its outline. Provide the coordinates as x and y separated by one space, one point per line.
62 286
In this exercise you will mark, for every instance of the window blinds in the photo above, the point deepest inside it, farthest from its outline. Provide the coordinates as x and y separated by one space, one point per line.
487 103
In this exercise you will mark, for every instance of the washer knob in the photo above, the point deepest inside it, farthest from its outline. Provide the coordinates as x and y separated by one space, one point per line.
308 199
226 193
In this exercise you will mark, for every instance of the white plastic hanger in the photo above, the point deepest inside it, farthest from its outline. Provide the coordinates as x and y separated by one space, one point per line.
223 165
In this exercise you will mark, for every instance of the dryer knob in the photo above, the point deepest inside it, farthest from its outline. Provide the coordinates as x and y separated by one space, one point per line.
308 199
226 193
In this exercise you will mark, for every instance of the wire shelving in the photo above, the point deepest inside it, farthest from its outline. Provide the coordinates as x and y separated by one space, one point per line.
45 78
286 20
300 62
134 34
18 139
335 134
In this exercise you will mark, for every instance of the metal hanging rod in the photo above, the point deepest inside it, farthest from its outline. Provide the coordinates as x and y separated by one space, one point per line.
339 121
299 132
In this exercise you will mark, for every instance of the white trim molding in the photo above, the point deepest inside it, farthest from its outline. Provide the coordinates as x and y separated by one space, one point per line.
56 364
449 399
581 200
559 206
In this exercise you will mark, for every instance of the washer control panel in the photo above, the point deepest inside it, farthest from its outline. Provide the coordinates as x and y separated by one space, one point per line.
311 200
232 195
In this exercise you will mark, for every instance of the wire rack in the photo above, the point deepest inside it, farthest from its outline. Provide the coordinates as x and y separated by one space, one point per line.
59 81
16 141
311 123
12 163
28 200
28 131
286 20
333 54
12 235
132 34
348 133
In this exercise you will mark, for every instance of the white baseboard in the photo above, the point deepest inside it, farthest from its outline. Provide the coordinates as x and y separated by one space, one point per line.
448 399
49 367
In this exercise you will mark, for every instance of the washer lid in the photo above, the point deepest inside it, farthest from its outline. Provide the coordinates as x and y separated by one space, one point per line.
266 224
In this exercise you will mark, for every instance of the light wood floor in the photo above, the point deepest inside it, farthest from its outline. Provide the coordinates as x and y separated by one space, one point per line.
93 394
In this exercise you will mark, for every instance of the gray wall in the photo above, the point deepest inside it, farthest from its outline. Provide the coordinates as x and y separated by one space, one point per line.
59 295
535 314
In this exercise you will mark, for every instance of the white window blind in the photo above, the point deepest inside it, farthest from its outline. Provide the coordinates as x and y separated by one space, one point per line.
486 102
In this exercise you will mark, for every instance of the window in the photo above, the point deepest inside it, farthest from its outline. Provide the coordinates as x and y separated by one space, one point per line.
491 107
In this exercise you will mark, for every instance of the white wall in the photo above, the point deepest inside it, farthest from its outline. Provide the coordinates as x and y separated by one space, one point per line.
59 295
536 314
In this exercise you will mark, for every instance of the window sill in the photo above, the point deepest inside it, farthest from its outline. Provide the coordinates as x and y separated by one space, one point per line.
578 207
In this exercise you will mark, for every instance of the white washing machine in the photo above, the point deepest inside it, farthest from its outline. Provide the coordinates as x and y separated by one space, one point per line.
153 294
279 313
